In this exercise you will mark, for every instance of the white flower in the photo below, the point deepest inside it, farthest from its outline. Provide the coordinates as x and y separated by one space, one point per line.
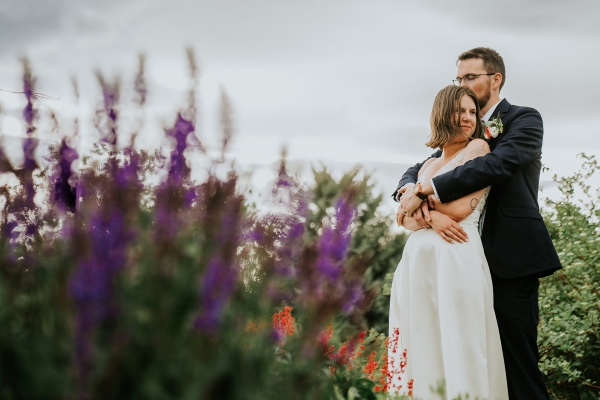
491 129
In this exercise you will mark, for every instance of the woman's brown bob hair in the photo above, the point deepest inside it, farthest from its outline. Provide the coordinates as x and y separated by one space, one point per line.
445 127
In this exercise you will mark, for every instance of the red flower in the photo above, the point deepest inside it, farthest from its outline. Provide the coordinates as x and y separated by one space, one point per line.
487 133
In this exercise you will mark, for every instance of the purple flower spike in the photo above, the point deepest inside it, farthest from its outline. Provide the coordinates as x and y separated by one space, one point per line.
335 240
353 296
127 174
91 285
29 113
107 116
217 284
190 197
331 270
219 279
64 193
179 169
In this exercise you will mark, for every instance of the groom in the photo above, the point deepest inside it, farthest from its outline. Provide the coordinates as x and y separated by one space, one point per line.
517 245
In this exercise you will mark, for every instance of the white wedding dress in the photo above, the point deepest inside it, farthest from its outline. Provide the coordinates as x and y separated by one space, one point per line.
442 323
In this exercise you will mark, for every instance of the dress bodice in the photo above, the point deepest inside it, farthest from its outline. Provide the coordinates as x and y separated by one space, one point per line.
474 218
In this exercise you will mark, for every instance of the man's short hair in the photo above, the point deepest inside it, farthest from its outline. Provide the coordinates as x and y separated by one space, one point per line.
492 61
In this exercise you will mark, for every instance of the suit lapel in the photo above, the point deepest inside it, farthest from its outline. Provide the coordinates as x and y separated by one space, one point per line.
500 111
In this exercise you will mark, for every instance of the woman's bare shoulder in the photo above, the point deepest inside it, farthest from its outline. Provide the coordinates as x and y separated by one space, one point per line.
476 148
478 143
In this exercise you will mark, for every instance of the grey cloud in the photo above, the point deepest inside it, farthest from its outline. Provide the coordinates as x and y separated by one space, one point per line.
573 17
27 20
341 70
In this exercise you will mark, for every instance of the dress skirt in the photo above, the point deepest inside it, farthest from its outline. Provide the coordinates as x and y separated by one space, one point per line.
443 329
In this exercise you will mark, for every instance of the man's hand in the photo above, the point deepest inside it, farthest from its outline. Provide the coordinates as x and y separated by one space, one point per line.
410 203
404 188
447 228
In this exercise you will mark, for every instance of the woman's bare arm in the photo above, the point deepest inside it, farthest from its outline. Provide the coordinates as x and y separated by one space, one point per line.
409 222
460 209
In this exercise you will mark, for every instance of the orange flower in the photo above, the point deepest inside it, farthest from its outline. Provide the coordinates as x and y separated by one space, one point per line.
284 323
251 327
371 366
324 338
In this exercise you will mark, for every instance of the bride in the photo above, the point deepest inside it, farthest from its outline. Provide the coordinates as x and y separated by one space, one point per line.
442 327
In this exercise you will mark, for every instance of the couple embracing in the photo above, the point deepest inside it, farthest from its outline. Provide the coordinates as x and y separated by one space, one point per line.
464 302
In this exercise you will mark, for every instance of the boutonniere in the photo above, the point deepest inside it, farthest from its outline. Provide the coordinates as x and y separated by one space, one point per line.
492 128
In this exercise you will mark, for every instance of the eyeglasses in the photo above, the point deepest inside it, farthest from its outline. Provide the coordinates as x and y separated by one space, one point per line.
469 78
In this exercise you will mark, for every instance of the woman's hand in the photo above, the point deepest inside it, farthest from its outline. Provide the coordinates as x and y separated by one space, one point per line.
447 228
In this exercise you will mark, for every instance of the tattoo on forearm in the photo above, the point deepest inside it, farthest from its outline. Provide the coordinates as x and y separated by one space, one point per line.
474 202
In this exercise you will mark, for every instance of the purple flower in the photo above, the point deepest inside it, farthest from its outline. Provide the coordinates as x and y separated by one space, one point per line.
29 113
189 197
255 234
334 242
91 285
217 284
218 281
180 131
353 296
108 114
296 230
64 193
126 175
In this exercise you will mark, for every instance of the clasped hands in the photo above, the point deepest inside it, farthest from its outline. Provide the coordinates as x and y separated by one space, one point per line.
425 216
412 206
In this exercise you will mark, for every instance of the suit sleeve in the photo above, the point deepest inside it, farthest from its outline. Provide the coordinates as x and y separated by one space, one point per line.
521 145
411 174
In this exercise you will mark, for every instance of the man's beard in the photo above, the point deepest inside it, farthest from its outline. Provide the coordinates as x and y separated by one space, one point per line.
486 97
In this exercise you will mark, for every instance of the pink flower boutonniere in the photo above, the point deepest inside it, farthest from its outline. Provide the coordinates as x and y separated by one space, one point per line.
492 128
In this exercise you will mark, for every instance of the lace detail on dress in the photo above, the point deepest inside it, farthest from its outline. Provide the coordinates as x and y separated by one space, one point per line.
455 162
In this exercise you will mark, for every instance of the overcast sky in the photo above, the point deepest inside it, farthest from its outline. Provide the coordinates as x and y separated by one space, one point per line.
344 81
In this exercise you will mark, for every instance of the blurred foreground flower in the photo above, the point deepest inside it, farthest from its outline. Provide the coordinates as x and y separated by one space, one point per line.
111 287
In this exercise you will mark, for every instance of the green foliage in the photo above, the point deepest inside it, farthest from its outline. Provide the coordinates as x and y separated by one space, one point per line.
372 238
148 346
569 330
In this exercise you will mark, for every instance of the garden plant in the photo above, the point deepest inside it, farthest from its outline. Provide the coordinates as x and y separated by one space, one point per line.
126 278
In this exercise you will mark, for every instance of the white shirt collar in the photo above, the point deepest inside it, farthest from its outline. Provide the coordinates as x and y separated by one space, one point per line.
490 112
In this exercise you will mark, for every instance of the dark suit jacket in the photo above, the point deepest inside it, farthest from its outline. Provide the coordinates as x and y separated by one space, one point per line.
515 238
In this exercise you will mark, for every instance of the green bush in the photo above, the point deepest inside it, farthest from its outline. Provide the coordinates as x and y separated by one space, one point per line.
569 330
